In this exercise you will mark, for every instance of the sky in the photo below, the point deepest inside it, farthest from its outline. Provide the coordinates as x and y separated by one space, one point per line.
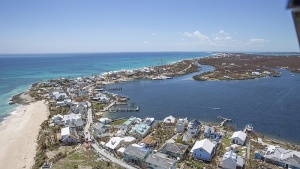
77 26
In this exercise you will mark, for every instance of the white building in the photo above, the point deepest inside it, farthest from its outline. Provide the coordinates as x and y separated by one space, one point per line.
194 127
73 120
67 137
114 143
238 137
231 160
181 123
203 150
170 120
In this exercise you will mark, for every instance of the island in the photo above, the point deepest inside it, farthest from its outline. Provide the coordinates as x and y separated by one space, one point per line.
239 66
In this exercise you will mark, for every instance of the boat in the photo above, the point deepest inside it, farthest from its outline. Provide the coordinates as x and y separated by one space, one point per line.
249 127
277 75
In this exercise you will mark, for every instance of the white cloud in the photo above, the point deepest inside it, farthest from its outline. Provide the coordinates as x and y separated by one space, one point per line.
146 42
257 40
197 35
221 31
153 34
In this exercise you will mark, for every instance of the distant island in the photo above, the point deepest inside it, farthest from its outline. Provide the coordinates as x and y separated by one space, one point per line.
239 66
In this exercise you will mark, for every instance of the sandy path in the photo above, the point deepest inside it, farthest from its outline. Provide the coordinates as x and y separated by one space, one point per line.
18 136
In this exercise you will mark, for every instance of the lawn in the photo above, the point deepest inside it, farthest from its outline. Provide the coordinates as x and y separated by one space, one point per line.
118 122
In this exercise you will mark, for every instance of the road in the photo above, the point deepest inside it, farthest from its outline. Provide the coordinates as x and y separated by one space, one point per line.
95 146
88 121
112 158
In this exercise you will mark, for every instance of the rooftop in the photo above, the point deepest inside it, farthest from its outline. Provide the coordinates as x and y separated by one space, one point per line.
160 160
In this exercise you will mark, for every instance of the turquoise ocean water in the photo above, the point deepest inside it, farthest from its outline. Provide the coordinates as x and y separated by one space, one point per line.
18 72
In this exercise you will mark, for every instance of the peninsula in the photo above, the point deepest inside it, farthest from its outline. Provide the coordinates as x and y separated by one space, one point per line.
239 66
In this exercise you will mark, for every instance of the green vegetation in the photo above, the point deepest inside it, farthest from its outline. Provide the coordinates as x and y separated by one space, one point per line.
118 122
98 106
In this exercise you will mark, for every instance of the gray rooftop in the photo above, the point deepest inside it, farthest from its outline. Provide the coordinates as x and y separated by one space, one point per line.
138 152
160 160
175 147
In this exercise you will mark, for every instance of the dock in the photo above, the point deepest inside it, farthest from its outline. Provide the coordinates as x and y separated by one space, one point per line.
127 109
109 106
224 120
118 88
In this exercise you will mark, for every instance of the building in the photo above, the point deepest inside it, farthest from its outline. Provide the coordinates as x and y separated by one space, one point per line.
280 156
136 155
181 124
68 136
194 127
130 121
114 143
208 131
203 150
149 141
160 161
174 150
73 120
100 130
231 160
139 130
170 120
57 119
105 120
148 121
239 138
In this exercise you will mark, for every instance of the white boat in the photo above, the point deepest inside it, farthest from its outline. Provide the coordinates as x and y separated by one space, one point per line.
249 127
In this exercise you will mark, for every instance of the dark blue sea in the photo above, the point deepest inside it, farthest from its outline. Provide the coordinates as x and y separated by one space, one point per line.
270 104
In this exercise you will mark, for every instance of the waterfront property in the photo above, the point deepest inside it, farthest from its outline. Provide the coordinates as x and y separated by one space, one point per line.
160 161
130 121
280 156
174 150
203 150
149 141
181 124
194 127
139 130
68 136
231 160
136 155
170 120
208 131
239 138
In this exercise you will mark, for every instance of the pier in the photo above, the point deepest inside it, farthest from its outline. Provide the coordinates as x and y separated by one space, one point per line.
109 106
224 120
118 88
127 109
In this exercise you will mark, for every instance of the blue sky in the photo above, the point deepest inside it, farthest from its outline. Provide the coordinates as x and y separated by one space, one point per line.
71 26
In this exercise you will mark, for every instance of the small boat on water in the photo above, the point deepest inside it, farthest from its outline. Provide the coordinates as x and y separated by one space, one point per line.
277 75
249 127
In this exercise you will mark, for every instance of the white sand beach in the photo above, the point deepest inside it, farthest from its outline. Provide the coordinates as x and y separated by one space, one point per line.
18 136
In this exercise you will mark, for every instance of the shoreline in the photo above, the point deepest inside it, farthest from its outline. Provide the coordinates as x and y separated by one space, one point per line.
21 130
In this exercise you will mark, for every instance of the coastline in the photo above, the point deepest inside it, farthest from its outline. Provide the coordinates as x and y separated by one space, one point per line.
19 135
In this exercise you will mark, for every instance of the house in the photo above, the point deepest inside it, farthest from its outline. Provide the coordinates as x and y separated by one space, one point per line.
73 120
238 137
136 155
128 140
170 120
181 124
255 74
100 130
282 157
187 137
130 121
68 136
160 161
122 129
194 127
57 119
148 121
231 160
203 150
208 131
139 130
174 150
149 141
114 143
105 120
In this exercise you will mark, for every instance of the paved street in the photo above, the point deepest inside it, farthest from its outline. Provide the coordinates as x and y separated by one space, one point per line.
112 158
